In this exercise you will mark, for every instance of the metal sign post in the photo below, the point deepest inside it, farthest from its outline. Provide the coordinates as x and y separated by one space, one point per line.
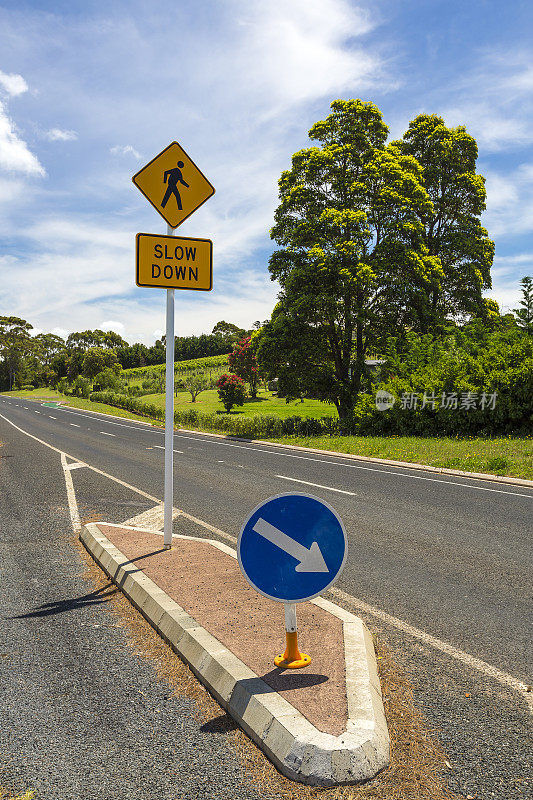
169 417
176 188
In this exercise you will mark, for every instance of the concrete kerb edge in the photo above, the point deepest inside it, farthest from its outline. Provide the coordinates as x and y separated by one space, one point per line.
300 751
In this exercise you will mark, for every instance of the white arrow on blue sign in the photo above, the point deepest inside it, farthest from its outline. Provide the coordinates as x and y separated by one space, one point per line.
292 547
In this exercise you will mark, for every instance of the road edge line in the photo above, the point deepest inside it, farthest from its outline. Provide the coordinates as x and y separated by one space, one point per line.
484 476
299 750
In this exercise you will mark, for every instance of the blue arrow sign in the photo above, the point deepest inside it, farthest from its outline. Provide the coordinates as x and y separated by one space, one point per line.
292 547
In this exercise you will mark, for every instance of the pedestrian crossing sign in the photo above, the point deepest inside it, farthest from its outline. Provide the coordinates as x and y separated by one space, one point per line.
173 184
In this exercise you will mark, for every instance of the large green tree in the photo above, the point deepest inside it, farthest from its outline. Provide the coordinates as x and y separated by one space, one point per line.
15 345
351 257
452 229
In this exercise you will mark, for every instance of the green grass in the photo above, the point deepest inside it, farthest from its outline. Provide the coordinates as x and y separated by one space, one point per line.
501 455
266 403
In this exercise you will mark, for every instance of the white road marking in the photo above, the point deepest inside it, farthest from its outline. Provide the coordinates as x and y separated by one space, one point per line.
71 495
360 466
161 447
152 519
36 412
317 485
110 422
104 433
51 417
77 465
437 644
74 425
465 658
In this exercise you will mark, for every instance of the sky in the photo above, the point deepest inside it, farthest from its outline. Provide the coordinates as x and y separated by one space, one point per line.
91 91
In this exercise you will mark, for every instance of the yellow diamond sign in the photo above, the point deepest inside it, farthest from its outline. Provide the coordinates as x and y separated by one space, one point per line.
173 184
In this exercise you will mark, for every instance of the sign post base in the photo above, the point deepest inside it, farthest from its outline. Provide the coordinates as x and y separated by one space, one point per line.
291 658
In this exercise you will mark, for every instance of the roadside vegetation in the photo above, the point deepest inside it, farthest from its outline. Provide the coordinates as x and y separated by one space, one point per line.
382 342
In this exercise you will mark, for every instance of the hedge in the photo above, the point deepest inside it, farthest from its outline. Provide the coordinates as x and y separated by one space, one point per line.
260 426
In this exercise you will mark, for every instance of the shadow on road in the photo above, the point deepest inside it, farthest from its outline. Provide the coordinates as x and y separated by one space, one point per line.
58 606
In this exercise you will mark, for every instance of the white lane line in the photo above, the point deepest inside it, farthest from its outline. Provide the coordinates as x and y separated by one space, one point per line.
367 469
161 447
437 644
71 496
95 417
465 658
74 425
51 417
77 465
104 433
36 412
318 485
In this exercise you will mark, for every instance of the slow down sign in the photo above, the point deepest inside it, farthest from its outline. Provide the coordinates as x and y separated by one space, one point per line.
174 262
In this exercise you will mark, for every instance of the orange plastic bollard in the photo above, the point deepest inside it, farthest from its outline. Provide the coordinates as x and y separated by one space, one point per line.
292 658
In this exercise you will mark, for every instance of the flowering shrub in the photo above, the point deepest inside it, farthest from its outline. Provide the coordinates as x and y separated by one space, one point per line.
231 390
242 362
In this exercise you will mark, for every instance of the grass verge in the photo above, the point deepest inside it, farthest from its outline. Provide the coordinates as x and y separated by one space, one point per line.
504 455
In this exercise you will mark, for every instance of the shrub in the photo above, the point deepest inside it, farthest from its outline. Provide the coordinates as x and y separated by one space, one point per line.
81 387
28 387
231 391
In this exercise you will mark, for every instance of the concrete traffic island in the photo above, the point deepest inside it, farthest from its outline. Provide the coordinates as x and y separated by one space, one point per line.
323 725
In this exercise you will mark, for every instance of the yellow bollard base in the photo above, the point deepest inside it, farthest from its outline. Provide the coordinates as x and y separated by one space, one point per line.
283 663
292 658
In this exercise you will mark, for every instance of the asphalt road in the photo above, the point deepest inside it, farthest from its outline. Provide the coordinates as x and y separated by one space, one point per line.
449 556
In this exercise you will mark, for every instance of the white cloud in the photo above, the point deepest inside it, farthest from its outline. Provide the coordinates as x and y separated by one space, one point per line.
58 135
60 332
506 274
111 325
15 155
509 201
124 150
13 84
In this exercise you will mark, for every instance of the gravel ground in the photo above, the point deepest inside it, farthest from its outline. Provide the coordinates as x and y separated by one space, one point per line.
82 715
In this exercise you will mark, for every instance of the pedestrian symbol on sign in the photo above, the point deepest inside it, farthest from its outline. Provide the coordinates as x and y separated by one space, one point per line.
173 176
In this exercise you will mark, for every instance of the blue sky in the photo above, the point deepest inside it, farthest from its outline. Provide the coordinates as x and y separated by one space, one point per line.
91 91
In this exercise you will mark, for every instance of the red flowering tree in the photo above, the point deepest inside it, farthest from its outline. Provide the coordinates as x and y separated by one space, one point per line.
242 362
231 390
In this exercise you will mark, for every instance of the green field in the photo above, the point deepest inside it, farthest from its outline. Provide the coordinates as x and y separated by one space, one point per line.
266 403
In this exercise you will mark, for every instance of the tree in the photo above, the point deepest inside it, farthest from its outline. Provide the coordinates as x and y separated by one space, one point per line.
96 359
452 230
352 257
15 344
524 315
242 362
231 391
229 332
194 383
